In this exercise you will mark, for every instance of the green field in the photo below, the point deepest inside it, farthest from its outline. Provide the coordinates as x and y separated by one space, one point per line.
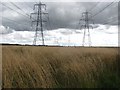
59 67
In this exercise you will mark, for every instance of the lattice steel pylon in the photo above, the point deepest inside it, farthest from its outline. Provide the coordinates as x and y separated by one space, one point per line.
86 18
41 10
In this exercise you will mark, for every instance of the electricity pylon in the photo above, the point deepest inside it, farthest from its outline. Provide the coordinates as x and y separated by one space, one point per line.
86 18
41 8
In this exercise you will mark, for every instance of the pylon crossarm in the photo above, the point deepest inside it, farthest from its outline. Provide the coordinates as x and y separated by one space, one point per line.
45 13
33 13
35 5
44 21
82 19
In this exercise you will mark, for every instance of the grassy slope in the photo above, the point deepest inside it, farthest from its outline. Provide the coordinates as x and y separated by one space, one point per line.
27 66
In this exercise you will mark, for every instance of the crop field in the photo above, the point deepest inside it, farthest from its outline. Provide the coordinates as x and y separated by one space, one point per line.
59 67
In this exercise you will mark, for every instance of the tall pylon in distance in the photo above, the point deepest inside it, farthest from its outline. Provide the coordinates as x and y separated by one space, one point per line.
86 18
41 10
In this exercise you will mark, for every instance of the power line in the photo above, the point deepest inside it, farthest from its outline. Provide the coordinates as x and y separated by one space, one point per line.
103 9
19 9
14 21
111 23
100 10
14 10
94 6
108 22
89 11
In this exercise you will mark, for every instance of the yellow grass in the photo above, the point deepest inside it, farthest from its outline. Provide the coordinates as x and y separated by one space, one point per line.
55 67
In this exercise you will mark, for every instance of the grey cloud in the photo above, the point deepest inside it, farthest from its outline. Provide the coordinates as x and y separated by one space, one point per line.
62 15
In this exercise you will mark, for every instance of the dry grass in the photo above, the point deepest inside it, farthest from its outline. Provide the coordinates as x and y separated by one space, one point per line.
59 67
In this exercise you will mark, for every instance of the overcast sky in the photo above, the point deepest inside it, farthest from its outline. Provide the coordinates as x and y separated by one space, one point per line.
61 14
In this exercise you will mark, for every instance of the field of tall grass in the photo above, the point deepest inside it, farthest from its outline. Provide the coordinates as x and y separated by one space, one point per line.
59 67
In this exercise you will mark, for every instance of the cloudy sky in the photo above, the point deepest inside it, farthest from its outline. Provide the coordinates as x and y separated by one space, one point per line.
62 15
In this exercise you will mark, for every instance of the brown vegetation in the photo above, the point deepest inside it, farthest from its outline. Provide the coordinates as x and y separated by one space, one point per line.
59 67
